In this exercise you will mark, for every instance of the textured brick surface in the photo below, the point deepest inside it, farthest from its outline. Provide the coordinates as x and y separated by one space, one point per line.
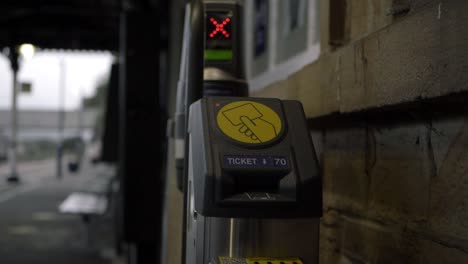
280 90
443 133
344 165
395 185
288 237
320 77
420 55
431 252
368 242
401 61
368 16
330 238
399 185
395 189
449 190
454 40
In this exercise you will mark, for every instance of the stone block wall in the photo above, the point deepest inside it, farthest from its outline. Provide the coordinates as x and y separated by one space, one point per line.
386 105
416 55
395 189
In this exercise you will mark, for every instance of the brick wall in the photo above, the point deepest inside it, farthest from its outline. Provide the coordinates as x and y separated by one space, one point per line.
395 188
416 55
386 104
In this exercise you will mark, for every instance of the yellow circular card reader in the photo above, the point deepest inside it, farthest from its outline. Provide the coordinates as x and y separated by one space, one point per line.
249 122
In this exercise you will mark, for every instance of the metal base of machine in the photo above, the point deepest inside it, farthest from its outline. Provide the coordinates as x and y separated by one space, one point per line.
227 260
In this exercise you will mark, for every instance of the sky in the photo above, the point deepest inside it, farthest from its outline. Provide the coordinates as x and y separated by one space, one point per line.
83 71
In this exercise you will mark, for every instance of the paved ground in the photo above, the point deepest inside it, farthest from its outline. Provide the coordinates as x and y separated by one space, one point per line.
32 173
33 232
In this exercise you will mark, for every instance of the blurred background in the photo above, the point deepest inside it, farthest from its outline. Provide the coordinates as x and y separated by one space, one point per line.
88 92
62 85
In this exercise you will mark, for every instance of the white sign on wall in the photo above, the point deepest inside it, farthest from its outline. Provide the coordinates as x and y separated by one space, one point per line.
281 37
261 27
292 28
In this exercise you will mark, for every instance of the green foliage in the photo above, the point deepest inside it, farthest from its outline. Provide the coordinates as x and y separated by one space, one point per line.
98 99
37 150
98 102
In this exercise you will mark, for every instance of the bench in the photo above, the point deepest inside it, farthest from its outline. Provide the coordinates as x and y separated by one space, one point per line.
92 199
84 204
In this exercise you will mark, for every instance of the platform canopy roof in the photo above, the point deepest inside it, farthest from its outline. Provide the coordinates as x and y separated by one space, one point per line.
65 24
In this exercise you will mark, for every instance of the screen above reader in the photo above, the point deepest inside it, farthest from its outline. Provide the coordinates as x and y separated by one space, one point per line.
219 35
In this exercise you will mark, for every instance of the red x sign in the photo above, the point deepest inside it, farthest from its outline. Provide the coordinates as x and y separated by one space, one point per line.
219 27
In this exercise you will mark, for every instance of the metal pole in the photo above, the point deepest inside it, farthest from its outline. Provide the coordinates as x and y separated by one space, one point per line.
194 91
61 121
14 177
81 114
79 147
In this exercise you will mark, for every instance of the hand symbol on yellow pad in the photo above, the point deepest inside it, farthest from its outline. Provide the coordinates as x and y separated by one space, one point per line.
257 129
249 122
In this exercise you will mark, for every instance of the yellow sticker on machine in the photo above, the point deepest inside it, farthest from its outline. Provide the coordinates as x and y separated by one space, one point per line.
249 122
227 260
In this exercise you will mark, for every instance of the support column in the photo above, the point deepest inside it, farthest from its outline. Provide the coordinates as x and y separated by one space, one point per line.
61 118
14 177
141 142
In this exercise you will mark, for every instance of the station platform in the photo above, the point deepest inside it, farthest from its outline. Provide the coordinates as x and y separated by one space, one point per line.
33 231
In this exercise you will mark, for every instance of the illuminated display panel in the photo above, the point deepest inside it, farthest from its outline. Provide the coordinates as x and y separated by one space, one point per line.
218 36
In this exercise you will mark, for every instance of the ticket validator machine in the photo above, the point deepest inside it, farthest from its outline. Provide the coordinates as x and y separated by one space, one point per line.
253 186
221 64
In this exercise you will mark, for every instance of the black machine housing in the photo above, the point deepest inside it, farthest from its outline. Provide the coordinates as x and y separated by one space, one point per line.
290 191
